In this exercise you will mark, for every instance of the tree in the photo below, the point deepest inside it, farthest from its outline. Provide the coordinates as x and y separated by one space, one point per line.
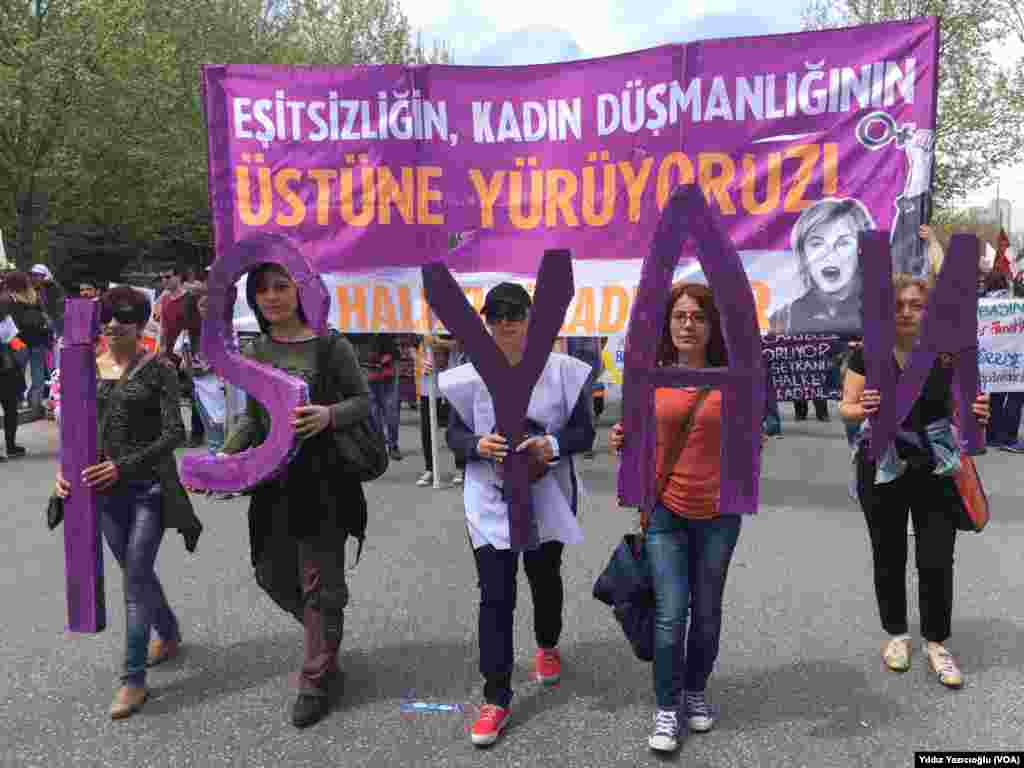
103 127
981 100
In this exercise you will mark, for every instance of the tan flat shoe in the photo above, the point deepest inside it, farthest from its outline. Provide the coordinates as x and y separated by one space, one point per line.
897 654
944 665
161 651
127 701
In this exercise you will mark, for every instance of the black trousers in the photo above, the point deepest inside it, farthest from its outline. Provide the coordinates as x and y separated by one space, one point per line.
443 407
933 502
820 409
10 394
497 570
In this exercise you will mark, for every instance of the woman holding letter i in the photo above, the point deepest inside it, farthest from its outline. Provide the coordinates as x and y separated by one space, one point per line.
688 543
914 475
136 481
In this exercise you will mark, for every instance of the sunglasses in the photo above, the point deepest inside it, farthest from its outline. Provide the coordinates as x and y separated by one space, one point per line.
512 313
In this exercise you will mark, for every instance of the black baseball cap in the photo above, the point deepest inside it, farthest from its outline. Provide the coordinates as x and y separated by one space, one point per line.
506 295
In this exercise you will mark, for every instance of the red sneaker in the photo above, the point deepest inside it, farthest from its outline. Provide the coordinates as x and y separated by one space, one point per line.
488 725
548 665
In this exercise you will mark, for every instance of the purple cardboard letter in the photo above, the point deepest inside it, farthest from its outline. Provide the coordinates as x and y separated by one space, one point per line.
950 327
83 545
510 386
742 383
279 393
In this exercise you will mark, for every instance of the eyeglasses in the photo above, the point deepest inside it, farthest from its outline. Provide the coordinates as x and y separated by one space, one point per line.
512 313
697 318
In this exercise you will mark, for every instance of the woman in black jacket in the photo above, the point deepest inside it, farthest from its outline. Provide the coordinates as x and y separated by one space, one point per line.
299 522
136 479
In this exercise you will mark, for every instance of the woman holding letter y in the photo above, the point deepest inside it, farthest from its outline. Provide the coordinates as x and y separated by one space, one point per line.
914 475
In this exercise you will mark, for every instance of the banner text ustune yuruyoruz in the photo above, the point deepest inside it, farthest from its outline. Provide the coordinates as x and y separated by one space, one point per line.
798 141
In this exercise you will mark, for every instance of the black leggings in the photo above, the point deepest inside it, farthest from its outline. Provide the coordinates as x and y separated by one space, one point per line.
10 394
933 502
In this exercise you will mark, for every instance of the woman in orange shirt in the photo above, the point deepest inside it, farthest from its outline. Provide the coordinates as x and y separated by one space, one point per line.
688 544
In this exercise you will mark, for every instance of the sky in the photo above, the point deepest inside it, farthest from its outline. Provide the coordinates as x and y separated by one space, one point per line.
486 32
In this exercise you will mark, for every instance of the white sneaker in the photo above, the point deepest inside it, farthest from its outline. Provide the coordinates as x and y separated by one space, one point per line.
699 717
458 478
427 478
666 731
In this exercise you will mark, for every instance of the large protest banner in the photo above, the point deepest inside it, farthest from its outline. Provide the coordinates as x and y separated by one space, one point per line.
798 141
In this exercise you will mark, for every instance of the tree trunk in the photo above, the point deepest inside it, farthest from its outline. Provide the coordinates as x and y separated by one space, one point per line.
25 226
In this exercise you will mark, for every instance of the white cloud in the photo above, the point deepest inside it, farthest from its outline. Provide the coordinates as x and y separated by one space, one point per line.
600 27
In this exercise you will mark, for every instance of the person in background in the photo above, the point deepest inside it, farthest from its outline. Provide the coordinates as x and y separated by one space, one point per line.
35 330
379 356
177 316
88 290
820 409
588 349
1004 426
52 297
913 475
12 379
559 426
207 387
440 353
689 543
772 424
136 481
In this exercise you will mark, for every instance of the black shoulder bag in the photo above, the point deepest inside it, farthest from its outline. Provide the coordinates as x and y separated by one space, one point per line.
362 448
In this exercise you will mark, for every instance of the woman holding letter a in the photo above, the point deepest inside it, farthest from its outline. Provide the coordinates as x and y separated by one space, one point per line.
915 475
688 543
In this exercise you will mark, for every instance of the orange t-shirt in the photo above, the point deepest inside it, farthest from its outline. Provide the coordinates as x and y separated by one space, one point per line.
694 483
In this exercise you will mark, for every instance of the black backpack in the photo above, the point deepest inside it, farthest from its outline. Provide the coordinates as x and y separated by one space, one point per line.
362 447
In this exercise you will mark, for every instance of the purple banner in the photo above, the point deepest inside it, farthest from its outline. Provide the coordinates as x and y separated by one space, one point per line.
799 142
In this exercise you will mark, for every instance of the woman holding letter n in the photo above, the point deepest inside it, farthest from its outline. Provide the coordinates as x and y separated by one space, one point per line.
688 543
915 475
298 522
136 479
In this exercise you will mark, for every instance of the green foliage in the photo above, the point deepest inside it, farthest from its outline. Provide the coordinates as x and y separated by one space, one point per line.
981 96
103 123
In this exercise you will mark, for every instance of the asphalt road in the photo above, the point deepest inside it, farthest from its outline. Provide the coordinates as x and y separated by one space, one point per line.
799 680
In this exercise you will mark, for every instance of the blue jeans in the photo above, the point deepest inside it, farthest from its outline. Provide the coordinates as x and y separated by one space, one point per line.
385 406
214 432
133 529
689 561
37 368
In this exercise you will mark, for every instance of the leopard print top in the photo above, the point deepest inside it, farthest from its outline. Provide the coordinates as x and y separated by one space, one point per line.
140 420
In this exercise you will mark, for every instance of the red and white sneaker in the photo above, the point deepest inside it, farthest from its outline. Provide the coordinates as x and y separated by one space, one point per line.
489 724
548 665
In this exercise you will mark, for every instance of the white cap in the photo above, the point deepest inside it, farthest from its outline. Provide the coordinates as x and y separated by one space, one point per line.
42 270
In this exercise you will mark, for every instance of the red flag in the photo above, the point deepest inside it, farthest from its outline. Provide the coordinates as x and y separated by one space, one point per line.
1002 263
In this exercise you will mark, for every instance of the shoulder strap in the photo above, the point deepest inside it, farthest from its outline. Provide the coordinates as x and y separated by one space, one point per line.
324 353
675 449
